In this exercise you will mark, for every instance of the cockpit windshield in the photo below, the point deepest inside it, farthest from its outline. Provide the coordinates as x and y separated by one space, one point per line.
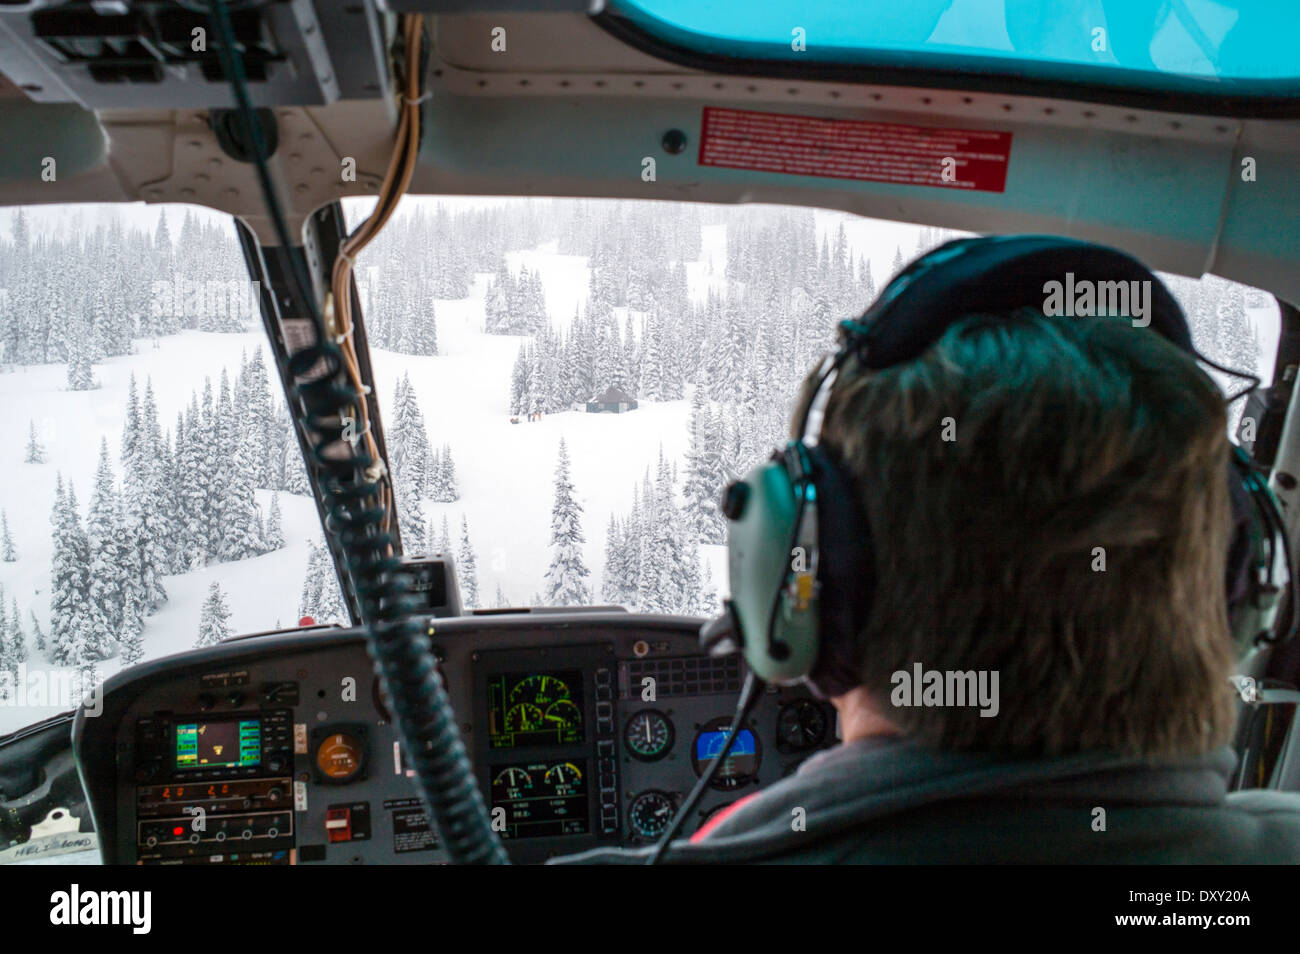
566 387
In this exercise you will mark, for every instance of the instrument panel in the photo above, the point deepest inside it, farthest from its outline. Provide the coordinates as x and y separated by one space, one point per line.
585 729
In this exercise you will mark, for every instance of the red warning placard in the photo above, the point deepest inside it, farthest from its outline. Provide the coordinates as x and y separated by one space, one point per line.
852 149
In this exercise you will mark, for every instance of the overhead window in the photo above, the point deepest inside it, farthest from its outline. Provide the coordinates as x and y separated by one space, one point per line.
1220 48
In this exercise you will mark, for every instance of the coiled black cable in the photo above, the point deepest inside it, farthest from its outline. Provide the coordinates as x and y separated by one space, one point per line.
395 637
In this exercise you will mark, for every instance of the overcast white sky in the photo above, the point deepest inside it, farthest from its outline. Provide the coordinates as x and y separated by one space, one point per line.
144 215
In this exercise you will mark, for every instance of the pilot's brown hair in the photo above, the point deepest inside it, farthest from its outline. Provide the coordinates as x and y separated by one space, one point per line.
1048 500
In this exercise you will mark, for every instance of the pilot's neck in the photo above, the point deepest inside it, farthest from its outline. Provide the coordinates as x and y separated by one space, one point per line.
860 716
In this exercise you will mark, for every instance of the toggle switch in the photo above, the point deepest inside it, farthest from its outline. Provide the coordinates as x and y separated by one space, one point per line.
338 824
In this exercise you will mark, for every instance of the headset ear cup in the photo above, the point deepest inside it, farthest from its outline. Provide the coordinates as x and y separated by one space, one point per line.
1240 546
780 647
846 576
1259 563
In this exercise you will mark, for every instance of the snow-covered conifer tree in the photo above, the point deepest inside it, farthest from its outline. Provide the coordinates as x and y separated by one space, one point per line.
38 635
467 568
8 553
448 485
256 416
519 382
612 586
241 531
214 618
274 530
293 467
566 579
131 427
81 358
322 599
192 471
71 623
703 521
35 452
104 529
148 508
5 663
15 638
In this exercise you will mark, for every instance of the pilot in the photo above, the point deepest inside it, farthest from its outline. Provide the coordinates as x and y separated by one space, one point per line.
1023 528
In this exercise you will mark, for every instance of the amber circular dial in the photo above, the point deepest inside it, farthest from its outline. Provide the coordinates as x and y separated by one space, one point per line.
339 756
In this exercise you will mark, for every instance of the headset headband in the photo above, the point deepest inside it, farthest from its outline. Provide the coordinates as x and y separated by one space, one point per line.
993 275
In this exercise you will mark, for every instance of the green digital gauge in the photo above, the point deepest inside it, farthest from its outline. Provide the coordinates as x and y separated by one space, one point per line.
540 708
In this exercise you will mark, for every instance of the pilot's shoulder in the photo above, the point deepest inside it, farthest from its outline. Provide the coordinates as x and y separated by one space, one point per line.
1277 814
1268 805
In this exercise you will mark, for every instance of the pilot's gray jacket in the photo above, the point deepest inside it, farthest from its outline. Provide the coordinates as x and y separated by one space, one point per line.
889 801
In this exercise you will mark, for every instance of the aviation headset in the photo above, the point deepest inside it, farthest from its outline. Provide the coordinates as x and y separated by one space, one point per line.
799 546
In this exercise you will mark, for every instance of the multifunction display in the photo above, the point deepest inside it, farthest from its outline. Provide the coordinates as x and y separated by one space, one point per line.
531 709
220 743
541 798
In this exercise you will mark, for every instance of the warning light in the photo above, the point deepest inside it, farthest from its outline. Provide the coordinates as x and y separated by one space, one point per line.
306 621
178 831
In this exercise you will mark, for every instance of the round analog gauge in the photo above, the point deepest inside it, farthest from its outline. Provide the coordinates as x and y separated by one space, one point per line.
339 757
650 813
541 690
648 735
523 717
512 783
564 778
740 767
801 725
563 714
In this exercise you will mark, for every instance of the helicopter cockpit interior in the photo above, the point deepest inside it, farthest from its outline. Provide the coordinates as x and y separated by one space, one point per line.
428 727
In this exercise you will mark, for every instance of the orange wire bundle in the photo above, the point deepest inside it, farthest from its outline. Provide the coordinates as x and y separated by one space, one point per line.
396 180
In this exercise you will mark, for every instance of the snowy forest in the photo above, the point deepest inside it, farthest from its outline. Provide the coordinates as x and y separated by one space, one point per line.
155 435
186 499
